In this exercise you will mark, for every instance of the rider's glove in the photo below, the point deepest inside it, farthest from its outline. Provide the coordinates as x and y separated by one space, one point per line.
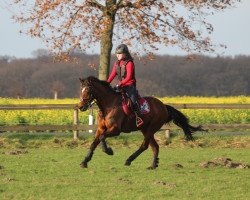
117 87
119 84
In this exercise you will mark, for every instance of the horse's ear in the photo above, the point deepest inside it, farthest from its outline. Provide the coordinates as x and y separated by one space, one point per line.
81 80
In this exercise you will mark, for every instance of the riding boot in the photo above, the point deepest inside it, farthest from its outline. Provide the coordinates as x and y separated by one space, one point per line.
137 110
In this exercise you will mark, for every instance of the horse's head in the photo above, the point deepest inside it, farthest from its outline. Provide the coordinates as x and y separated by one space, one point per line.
93 89
86 94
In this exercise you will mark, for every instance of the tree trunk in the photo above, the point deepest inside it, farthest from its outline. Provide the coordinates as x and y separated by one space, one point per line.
106 48
106 41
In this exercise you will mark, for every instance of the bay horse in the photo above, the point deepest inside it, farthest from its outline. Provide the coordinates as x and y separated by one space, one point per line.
112 120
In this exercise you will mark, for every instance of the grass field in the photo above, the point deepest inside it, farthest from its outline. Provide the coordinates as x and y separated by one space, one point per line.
46 166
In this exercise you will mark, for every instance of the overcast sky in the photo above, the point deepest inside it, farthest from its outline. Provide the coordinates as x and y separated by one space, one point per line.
232 28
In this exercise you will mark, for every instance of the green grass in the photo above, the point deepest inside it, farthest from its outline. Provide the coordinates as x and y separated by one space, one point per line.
48 168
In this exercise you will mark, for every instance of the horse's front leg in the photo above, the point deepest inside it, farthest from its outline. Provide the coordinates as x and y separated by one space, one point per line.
105 148
94 144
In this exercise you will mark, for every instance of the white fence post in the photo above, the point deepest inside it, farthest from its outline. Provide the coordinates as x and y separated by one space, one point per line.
76 122
168 137
91 119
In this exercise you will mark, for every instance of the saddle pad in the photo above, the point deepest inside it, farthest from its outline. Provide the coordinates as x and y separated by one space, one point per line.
144 106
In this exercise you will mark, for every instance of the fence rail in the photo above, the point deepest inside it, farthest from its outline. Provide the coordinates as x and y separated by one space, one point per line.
76 127
38 107
72 106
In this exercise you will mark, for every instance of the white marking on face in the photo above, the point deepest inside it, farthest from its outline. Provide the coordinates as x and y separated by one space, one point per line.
83 89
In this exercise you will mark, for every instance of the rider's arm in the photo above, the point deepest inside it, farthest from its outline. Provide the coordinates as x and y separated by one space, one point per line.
130 71
113 74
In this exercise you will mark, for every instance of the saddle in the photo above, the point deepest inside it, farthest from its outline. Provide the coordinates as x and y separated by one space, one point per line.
128 109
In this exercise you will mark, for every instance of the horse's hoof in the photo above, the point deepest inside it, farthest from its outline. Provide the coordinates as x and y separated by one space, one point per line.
190 138
83 165
109 151
127 163
152 167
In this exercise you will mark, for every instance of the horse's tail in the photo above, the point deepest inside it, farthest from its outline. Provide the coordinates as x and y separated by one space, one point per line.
182 121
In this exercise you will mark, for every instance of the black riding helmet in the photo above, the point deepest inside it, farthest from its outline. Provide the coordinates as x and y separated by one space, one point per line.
122 48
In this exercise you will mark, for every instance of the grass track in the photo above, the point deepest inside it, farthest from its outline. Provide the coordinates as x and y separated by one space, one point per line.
51 170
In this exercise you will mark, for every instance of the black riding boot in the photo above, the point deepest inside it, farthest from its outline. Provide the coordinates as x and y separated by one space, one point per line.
137 110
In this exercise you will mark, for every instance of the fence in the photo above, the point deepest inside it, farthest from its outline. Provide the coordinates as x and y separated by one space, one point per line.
76 127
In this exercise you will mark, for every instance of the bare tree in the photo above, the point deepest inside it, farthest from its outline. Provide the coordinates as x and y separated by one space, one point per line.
142 24
41 53
16 90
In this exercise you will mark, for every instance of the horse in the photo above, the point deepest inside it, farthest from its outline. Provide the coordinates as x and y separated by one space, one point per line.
112 119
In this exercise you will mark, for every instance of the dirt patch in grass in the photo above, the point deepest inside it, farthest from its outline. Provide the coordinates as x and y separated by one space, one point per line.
125 180
165 184
7 179
224 162
178 166
16 152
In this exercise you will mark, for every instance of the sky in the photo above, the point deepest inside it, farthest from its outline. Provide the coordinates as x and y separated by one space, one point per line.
231 27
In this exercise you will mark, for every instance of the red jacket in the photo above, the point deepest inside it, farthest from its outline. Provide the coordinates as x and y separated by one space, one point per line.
130 69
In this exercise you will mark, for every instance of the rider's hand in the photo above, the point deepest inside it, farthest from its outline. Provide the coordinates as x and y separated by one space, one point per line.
117 87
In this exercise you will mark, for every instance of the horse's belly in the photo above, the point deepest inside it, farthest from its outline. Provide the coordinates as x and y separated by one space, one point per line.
129 125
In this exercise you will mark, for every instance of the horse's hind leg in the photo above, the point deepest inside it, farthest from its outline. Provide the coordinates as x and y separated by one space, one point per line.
142 148
155 149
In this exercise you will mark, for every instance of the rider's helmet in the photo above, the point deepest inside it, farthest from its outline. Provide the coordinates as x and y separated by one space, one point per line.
122 48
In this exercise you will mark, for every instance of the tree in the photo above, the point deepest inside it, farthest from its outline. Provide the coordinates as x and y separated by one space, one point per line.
164 76
142 24
16 90
41 53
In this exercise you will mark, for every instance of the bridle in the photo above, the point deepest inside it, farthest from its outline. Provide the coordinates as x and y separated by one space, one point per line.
90 100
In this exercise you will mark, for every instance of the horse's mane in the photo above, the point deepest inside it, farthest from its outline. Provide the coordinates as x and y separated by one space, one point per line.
104 83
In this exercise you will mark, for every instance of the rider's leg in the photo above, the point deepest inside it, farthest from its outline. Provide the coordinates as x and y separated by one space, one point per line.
137 107
133 95
134 99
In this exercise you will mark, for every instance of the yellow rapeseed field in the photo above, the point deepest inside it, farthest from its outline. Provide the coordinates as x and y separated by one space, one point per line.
208 100
199 116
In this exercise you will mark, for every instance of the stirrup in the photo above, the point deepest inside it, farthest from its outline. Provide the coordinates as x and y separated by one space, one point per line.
139 120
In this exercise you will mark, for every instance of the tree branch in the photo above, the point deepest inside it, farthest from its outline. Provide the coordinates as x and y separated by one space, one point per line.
140 4
72 18
95 4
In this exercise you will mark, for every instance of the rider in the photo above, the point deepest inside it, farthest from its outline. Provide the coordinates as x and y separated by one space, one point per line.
125 69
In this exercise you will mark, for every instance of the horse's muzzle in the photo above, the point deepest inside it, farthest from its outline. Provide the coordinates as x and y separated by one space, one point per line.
82 107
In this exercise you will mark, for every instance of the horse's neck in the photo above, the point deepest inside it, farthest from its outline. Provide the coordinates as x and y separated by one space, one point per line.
106 99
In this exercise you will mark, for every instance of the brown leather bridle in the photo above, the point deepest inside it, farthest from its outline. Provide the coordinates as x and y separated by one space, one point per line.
89 100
